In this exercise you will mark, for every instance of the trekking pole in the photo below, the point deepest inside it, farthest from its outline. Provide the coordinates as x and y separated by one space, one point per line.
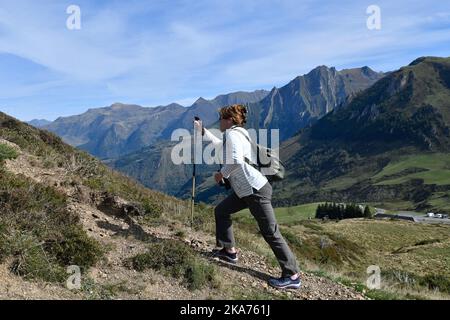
193 196
193 180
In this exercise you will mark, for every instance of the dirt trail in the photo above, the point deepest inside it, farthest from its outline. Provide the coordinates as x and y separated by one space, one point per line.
123 236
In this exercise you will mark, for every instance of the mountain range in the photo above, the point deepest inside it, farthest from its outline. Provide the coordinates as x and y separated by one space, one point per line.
119 129
307 98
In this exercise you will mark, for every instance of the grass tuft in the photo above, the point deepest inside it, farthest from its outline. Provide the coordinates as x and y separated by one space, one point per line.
178 260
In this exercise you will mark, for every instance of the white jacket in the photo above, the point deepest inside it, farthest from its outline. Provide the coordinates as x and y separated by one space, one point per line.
242 176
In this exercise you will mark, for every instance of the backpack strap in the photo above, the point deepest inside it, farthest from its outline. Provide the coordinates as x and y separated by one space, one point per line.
246 137
256 166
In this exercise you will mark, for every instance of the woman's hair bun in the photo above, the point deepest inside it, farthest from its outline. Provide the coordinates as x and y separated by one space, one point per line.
244 113
237 112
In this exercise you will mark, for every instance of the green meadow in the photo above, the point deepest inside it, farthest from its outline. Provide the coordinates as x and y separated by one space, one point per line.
436 170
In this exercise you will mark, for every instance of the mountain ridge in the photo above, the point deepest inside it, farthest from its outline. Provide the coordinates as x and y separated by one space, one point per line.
307 98
119 129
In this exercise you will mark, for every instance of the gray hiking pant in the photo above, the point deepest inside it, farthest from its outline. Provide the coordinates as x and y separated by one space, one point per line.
260 207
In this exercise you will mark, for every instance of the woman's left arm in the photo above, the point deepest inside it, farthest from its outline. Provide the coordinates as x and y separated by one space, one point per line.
234 155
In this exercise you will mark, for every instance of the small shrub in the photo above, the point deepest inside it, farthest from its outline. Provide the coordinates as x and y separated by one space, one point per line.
32 262
7 152
435 282
200 274
76 248
152 208
180 234
18 194
177 260
170 256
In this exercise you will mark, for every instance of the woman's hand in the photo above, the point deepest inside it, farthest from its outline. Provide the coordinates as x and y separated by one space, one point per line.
198 125
218 176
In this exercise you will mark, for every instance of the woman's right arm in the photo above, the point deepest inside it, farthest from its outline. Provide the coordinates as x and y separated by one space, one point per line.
208 135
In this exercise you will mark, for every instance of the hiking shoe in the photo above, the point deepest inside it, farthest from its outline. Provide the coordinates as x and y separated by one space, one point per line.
285 283
223 254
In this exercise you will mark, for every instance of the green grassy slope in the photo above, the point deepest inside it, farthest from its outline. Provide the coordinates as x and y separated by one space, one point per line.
37 232
288 215
432 168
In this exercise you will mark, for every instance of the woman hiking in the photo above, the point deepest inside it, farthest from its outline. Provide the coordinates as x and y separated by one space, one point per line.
252 190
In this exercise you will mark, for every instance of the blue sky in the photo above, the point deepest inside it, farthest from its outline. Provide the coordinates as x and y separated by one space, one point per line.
157 52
